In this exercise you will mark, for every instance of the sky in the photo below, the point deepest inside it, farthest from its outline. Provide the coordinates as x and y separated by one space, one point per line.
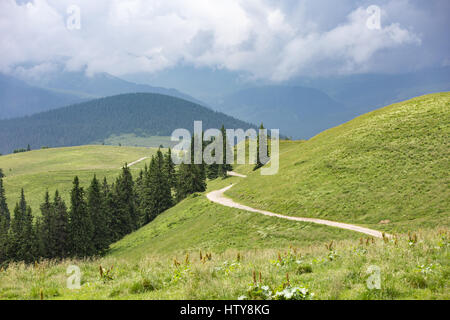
260 39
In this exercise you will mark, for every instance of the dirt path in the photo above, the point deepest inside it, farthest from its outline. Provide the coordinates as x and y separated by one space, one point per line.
136 162
219 197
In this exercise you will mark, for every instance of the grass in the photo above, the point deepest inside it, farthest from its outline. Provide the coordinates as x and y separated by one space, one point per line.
198 224
391 164
39 170
407 271
131 139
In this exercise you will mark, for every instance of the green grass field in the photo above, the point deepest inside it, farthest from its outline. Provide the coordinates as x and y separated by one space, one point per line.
37 171
133 140
391 164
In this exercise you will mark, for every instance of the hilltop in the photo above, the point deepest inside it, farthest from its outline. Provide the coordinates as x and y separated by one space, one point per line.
387 169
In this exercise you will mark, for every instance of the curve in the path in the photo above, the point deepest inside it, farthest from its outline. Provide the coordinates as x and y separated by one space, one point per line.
218 196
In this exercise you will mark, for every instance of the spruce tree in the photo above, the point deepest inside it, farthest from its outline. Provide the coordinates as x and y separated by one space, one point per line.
127 217
47 225
259 164
61 232
109 207
185 181
21 246
4 223
81 228
160 194
98 214
224 167
170 169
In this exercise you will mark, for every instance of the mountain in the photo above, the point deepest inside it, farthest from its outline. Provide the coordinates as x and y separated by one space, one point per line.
366 92
143 114
17 98
298 112
100 85
28 95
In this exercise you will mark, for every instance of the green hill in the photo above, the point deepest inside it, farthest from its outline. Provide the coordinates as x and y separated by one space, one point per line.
141 114
390 164
37 171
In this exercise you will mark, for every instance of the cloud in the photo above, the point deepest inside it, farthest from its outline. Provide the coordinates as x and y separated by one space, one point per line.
267 39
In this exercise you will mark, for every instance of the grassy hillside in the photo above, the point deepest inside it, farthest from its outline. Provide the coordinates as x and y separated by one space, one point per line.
198 224
53 169
391 164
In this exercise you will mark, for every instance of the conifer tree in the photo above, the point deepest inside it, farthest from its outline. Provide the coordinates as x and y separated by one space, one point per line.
160 195
259 164
46 228
61 232
4 223
96 210
81 229
170 169
224 167
127 218
109 207
21 239
185 181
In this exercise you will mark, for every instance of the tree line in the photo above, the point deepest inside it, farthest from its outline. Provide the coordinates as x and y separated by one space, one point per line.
102 214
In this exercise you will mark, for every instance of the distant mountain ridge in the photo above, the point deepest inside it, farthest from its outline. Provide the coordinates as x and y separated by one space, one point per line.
298 112
27 96
142 114
18 98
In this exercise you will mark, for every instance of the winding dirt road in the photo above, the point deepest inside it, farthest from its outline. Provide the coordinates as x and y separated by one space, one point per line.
135 162
219 197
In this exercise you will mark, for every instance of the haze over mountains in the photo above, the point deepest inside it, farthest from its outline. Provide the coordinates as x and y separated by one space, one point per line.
29 95
304 106
300 108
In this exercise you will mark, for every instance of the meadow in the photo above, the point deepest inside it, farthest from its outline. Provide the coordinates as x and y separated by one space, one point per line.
54 169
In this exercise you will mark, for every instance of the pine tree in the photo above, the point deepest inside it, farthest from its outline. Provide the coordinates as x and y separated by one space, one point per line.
4 223
61 232
47 225
185 181
127 217
81 228
98 214
21 246
160 194
259 164
197 172
224 167
109 207
170 169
